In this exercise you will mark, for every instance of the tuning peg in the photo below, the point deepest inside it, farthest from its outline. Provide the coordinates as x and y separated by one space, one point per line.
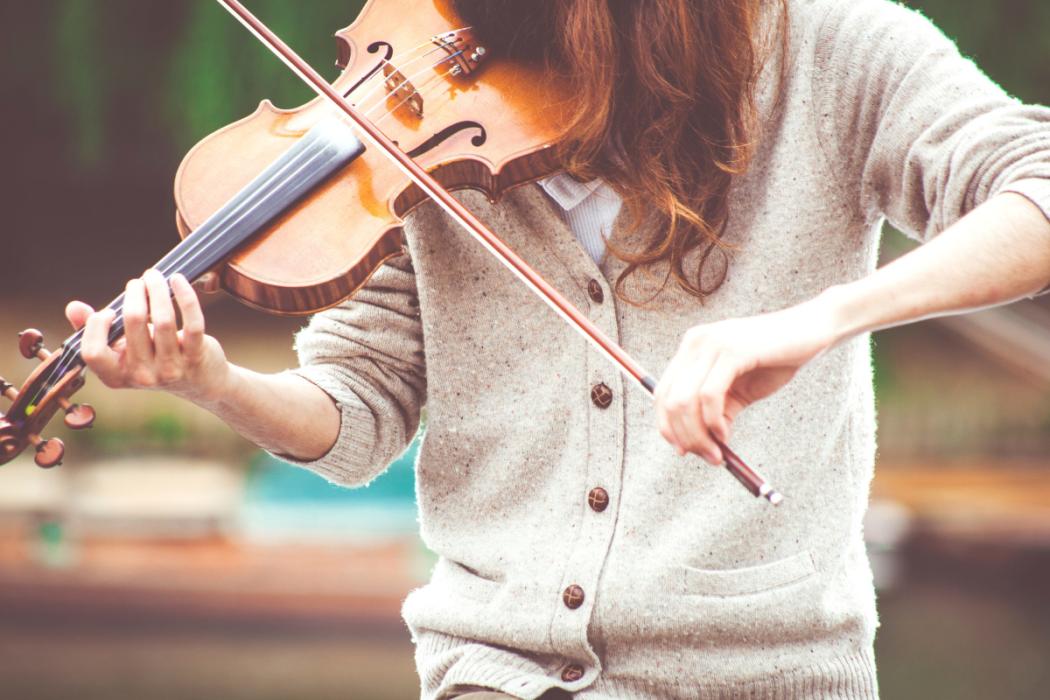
78 416
8 389
49 453
31 344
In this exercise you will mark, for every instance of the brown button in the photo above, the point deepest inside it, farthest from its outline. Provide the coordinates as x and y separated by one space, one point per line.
572 673
601 395
572 597
594 290
598 499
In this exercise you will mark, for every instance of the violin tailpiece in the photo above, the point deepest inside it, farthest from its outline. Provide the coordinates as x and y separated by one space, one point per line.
462 50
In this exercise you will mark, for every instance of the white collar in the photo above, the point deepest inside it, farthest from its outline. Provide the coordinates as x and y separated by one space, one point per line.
566 190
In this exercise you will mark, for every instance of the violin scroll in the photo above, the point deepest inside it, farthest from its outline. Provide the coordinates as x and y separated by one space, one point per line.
45 392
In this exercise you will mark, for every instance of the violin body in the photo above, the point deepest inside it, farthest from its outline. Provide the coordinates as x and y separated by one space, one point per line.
491 128
467 117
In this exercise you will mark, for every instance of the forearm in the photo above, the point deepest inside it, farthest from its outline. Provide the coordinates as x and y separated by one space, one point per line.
282 413
998 253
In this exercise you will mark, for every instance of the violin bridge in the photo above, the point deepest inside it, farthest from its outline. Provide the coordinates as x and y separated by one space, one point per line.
402 91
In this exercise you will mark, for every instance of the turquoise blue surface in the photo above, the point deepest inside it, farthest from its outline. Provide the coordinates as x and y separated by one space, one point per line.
271 481
286 503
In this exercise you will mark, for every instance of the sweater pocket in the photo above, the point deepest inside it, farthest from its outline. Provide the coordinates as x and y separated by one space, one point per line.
463 581
749 580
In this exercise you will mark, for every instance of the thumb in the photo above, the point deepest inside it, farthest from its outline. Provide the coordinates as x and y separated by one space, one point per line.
77 312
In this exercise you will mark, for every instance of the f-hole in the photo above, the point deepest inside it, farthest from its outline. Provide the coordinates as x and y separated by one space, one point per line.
440 137
373 48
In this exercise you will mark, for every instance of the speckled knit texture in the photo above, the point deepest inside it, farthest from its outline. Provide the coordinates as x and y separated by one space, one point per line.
692 588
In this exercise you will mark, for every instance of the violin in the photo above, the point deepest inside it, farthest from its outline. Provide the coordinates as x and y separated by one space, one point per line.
293 210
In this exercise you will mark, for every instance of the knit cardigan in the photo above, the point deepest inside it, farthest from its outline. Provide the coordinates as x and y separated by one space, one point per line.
690 587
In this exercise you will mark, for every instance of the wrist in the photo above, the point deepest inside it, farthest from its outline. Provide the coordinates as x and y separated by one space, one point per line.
836 305
217 390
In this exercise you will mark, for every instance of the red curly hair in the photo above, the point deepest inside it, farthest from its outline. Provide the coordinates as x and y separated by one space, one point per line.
664 110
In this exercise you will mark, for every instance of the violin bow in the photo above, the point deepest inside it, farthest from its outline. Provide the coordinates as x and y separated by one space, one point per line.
751 479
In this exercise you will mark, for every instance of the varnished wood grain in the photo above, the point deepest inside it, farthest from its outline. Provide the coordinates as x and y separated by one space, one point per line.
326 247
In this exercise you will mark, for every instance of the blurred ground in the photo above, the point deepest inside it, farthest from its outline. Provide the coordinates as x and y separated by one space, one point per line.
964 609
102 663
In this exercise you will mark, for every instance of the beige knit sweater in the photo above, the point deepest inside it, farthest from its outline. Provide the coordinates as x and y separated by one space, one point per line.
690 587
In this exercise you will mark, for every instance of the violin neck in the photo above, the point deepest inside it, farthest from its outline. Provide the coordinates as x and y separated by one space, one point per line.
321 153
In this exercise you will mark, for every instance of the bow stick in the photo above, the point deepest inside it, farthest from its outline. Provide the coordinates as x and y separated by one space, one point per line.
612 351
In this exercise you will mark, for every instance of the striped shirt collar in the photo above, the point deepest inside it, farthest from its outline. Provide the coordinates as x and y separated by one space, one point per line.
567 191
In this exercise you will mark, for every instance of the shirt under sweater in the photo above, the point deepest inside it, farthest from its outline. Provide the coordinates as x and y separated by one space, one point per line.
683 586
589 209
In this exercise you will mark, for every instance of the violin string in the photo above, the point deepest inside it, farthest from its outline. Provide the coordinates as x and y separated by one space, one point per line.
71 347
402 61
194 252
415 90
368 112
402 64
194 255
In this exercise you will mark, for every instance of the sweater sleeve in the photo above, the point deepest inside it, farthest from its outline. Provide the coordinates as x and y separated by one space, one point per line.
921 133
367 354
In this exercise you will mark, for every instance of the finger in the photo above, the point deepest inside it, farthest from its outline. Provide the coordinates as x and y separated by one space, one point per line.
162 314
676 421
664 426
663 422
661 386
665 411
95 350
666 388
136 312
687 418
713 397
692 434
77 312
192 316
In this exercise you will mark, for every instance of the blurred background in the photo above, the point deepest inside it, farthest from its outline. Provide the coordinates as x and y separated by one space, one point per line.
169 559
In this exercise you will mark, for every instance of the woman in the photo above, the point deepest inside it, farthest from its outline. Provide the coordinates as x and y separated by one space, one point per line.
756 148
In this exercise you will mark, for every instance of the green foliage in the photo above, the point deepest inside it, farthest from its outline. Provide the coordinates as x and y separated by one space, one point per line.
193 68
120 73
219 72
82 91
201 85
166 430
1008 39
160 432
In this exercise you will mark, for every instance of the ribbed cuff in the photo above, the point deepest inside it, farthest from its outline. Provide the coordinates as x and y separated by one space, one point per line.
348 458
849 677
447 662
